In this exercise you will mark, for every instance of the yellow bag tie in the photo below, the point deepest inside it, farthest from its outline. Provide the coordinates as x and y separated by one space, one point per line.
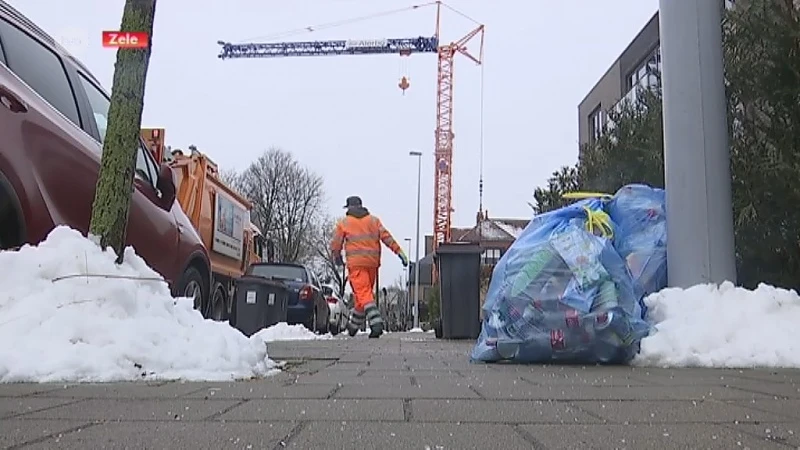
585 195
599 221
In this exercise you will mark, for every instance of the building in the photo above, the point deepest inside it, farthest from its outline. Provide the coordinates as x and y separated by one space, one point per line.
634 67
637 66
494 235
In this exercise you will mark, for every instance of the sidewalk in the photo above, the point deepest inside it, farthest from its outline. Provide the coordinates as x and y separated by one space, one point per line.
411 391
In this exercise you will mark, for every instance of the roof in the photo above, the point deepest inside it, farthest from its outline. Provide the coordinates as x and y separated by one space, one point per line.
494 230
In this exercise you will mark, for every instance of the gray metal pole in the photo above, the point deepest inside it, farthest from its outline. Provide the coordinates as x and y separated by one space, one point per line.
700 247
416 243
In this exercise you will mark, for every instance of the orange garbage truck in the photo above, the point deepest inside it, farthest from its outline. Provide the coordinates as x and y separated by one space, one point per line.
220 215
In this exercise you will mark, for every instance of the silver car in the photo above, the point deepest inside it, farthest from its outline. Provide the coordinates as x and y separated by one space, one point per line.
340 313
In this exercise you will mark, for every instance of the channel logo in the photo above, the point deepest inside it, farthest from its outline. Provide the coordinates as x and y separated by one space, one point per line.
125 39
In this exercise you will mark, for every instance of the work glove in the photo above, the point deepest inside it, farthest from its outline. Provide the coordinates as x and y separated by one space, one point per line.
339 261
403 259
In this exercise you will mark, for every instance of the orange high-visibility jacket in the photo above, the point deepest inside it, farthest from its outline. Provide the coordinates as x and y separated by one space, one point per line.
361 234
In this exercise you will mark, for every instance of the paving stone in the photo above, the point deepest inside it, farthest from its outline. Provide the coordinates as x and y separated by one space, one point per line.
14 432
332 378
781 433
666 436
431 390
254 390
779 390
522 390
497 411
15 406
23 389
173 435
682 411
310 410
789 409
404 436
118 409
124 390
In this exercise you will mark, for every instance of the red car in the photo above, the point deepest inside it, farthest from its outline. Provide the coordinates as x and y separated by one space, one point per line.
52 123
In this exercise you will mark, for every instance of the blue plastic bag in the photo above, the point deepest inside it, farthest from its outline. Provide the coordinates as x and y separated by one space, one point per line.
639 211
562 293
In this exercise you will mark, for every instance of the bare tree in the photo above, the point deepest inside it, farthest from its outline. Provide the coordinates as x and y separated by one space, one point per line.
287 203
112 199
232 179
324 261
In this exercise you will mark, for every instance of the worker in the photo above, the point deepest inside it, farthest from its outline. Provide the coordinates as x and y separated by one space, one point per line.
361 234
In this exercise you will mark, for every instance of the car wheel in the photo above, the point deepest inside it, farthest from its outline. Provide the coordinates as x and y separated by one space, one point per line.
311 323
324 324
219 304
192 286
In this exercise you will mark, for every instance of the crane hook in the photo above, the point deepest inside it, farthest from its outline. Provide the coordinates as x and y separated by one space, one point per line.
404 84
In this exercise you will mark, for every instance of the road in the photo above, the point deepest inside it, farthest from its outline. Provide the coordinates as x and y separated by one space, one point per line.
411 391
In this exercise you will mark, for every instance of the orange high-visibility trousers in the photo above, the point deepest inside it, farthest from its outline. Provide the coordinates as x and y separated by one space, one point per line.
362 280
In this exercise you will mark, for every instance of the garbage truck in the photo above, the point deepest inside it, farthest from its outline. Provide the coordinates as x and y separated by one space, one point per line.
220 215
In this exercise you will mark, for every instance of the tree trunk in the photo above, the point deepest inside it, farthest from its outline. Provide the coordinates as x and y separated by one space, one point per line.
115 182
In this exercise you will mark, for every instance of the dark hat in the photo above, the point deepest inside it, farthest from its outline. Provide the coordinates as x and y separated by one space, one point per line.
353 201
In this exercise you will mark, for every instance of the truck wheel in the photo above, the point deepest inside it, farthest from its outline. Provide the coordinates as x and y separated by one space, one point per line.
192 286
219 304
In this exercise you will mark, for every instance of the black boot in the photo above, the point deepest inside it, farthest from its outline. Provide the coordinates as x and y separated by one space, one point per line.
375 321
355 323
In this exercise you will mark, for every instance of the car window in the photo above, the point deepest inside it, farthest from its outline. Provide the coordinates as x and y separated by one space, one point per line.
145 167
279 271
40 68
99 103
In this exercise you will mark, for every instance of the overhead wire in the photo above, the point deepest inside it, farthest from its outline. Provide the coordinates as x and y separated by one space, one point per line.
324 26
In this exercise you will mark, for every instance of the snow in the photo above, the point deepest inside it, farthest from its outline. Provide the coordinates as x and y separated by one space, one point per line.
725 327
109 323
510 229
490 231
416 330
285 332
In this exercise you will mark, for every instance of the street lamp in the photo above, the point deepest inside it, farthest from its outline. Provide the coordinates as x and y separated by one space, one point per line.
408 284
417 155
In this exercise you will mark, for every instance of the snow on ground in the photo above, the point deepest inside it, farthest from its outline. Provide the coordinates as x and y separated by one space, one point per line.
119 324
285 332
416 330
730 327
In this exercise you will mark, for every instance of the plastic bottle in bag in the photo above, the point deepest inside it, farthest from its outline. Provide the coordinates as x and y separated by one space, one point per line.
606 296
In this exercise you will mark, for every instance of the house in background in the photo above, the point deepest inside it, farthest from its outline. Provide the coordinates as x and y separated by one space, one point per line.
494 235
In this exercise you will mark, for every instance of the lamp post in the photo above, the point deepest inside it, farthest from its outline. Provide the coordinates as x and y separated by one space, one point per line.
417 155
408 284
700 248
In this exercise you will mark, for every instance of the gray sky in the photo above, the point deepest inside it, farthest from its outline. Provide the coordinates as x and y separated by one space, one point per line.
345 117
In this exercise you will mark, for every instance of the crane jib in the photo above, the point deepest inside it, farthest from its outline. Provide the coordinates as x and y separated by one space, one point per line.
338 47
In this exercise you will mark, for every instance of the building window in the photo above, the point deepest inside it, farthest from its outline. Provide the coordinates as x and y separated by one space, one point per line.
597 120
647 74
491 256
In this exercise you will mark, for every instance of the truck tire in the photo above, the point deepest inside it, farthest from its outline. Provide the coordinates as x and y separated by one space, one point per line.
192 286
218 309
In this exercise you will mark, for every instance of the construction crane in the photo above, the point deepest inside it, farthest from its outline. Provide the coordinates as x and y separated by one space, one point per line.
444 135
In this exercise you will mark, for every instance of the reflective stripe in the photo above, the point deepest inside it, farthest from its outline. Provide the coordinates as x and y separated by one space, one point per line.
363 237
363 252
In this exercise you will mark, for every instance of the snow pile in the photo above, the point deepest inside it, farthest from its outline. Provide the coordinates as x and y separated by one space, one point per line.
285 332
416 330
726 326
115 322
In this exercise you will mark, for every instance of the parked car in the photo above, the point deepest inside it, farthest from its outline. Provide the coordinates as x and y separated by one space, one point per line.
53 116
340 313
306 304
